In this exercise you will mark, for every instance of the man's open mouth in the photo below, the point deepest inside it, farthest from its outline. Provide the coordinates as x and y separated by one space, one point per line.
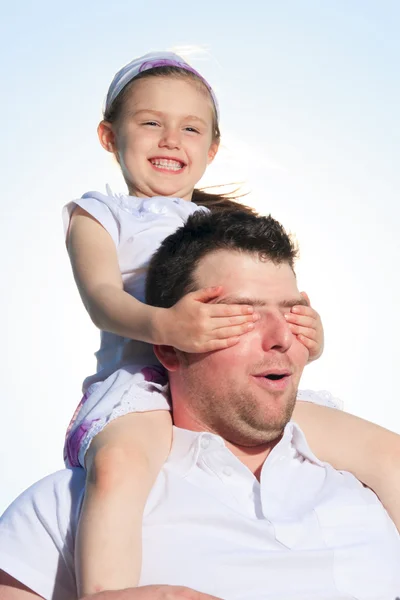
274 376
274 381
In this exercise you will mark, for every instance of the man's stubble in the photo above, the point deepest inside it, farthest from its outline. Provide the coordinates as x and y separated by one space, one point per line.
239 417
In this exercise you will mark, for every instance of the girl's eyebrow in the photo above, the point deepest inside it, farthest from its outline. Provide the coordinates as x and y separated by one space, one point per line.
231 299
134 113
194 118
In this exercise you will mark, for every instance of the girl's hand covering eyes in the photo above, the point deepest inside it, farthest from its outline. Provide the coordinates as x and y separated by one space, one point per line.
194 324
306 324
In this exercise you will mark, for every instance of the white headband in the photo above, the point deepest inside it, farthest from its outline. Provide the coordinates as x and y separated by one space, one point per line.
150 61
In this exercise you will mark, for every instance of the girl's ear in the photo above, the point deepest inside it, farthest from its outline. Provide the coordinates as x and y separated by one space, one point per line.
107 136
212 152
168 357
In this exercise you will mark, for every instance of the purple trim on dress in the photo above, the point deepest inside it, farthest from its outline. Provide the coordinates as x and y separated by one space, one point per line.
70 449
74 442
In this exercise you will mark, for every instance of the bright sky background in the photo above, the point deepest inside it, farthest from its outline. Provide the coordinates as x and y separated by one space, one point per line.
309 94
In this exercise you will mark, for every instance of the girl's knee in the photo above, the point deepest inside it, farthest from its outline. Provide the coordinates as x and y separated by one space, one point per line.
113 466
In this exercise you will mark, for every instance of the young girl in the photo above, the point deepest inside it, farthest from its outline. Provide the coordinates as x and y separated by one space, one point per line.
161 123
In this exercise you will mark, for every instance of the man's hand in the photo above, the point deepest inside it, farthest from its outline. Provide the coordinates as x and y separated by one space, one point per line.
152 592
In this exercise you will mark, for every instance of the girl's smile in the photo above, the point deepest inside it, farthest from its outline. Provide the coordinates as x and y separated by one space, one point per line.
167 165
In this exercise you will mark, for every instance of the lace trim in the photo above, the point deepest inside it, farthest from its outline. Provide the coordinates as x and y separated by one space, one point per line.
321 397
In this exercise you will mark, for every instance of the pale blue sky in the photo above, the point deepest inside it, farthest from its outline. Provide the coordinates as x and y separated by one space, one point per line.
309 94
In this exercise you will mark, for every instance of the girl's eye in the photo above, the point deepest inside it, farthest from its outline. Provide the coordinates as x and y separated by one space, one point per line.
152 123
192 129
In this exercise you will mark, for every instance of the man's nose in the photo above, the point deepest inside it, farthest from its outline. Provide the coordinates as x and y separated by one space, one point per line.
171 138
276 333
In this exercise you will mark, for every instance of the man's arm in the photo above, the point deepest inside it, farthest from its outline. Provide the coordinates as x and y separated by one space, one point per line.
11 589
151 592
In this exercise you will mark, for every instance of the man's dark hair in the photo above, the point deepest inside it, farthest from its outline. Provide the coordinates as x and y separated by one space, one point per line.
171 268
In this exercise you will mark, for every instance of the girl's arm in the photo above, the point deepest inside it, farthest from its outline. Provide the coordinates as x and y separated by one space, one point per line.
202 326
368 451
97 274
123 460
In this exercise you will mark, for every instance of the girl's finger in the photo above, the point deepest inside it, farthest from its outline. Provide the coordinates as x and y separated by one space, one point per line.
301 320
220 322
309 344
304 310
307 332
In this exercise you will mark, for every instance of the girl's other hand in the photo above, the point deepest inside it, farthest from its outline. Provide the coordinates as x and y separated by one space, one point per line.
306 323
195 324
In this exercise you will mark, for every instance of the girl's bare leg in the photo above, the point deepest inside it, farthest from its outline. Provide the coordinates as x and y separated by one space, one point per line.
122 464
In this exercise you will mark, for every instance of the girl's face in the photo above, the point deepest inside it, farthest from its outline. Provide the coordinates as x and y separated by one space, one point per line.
163 139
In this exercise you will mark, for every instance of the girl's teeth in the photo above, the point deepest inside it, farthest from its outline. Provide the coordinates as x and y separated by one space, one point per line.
167 164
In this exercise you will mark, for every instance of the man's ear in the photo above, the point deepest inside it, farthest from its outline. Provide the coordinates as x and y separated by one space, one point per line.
168 357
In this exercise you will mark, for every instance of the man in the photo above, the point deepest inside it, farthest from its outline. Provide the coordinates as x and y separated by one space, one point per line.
242 509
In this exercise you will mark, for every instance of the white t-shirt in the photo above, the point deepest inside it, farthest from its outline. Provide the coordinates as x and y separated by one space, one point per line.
305 532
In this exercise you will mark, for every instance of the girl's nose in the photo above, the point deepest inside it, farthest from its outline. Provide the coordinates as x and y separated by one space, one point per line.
170 139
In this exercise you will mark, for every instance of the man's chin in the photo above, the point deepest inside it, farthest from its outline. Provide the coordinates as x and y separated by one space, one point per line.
252 430
254 438
275 414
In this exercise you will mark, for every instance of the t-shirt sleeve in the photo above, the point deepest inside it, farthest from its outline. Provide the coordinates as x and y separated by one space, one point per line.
97 206
37 534
323 398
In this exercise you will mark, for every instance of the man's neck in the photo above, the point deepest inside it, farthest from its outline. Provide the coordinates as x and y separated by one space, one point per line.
253 457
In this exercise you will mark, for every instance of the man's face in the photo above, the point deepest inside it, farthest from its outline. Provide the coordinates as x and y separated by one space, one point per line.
245 393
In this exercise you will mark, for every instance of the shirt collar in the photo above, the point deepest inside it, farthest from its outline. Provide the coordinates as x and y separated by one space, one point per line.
187 445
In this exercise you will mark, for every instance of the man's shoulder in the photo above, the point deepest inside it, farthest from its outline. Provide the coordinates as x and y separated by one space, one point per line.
63 488
37 533
72 479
